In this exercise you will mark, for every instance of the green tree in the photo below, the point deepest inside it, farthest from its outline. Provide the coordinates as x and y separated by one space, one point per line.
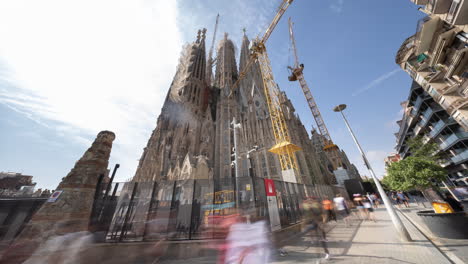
427 151
414 173
420 171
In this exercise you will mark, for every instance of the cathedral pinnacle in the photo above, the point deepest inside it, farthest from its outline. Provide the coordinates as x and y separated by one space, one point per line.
198 36
203 34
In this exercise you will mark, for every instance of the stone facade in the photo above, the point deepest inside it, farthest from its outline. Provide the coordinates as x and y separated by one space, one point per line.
193 138
66 220
72 210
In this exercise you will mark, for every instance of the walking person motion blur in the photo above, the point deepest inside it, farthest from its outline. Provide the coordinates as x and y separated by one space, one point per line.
396 199
375 200
340 206
369 210
328 213
360 207
403 198
247 243
369 198
312 221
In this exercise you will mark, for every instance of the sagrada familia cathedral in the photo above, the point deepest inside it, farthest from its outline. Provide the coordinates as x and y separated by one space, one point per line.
194 138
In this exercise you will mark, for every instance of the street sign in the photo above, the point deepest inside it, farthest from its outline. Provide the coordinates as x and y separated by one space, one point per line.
270 187
55 195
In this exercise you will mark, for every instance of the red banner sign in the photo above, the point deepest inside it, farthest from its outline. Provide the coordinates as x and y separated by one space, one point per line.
270 187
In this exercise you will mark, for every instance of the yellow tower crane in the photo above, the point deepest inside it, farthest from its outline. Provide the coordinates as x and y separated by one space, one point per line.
329 147
283 147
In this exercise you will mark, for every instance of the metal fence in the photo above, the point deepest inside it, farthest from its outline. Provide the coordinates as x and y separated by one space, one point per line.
192 209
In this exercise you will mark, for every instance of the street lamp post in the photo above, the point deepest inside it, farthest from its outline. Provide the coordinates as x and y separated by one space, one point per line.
235 126
404 235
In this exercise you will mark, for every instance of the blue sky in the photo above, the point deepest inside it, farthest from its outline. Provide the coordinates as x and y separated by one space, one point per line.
69 69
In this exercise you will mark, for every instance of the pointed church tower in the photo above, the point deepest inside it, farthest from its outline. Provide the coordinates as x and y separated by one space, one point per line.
179 126
226 108
189 84
226 68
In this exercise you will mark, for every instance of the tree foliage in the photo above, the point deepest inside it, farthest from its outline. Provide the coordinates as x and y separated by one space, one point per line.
427 151
414 173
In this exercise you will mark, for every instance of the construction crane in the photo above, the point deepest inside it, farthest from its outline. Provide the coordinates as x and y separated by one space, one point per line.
283 147
209 67
329 147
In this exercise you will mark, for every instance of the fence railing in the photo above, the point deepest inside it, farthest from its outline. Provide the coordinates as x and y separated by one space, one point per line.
192 209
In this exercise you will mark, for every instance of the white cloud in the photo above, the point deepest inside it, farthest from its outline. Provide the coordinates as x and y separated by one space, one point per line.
337 6
79 67
376 81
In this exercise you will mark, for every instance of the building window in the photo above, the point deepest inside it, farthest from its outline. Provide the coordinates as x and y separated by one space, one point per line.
264 166
271 160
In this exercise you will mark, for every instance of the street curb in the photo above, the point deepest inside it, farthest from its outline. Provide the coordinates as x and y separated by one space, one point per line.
444 250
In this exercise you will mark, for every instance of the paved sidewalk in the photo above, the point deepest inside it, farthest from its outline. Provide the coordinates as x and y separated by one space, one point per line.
368 242
363 242
456 249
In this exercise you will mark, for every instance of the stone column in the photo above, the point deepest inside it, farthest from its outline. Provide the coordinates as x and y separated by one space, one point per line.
72 210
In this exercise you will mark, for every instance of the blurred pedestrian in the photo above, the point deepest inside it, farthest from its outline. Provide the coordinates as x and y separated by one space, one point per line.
375 200
403 198
396 199
360 207
312 222
328 213
248 243
369 210
340 206
223 227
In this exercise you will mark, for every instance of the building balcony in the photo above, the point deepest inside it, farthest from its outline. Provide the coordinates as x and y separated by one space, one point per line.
458 63
452 139
417 128
443 41
417 104
433 93
460 157
420 2
438 6
427 115
405 51
451 103
439 126
458 12
461 117
426 30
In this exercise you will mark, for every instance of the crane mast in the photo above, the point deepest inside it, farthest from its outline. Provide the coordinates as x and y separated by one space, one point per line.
209 72
297 75
283 146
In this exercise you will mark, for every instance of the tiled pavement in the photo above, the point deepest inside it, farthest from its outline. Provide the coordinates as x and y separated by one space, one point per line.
363 242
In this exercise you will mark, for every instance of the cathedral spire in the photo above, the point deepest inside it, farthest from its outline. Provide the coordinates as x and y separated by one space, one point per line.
189 83
245 53
226 68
